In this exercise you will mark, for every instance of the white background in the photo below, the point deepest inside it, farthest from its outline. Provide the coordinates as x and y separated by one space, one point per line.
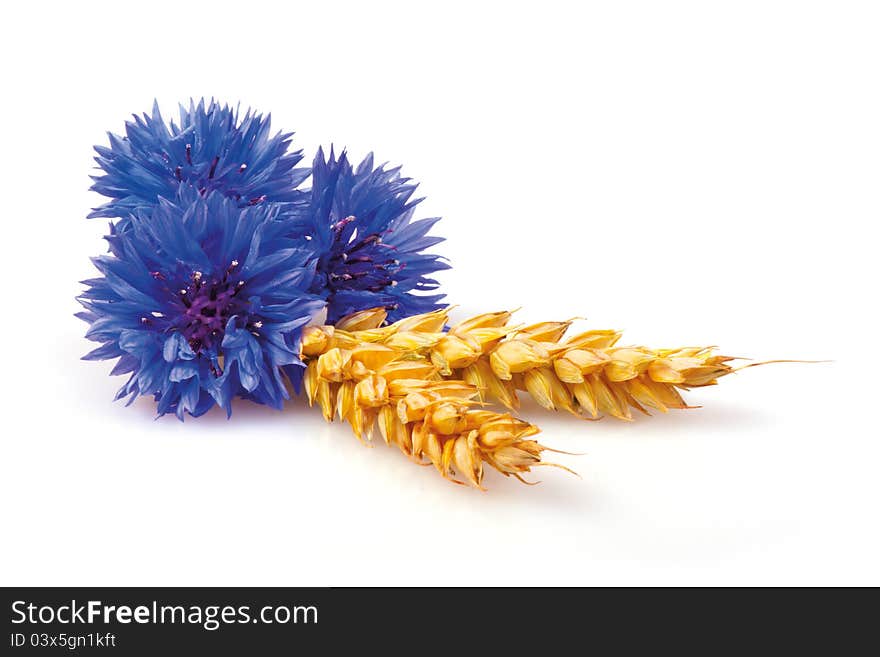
688 172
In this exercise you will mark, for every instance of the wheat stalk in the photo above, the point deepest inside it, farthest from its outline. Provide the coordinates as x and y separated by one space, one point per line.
430 419
586 374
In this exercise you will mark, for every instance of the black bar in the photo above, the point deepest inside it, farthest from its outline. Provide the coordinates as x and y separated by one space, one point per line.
257 621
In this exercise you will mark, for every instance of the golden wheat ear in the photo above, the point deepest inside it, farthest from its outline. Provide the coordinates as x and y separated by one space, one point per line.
433 420
587 374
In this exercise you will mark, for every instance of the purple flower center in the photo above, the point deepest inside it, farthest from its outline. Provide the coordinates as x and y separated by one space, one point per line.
359 262
209 183
209 305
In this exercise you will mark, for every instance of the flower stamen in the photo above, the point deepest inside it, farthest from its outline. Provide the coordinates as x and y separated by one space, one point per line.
209 306
354 262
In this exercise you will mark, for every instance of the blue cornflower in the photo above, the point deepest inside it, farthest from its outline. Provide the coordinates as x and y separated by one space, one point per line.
201 301
369 251
213 149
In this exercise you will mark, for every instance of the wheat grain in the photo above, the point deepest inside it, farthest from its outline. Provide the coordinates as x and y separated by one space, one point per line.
586 374
351 375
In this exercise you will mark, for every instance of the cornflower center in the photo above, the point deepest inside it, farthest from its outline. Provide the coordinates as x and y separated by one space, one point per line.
359 262
180 171
209 305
